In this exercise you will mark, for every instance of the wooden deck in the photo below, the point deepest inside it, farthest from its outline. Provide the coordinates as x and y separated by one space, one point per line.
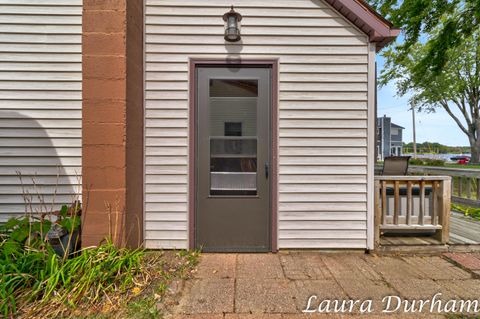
464 230
464 236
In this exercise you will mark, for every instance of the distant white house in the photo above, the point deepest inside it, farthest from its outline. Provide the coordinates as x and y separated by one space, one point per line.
389 138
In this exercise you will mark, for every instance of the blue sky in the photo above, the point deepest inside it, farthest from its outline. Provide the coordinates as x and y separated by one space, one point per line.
431 127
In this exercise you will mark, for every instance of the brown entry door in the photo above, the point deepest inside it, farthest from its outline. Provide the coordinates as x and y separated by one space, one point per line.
233 158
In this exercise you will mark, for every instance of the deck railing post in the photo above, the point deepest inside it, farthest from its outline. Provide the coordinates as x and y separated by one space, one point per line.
396 202
469 187
444 201
434 202
460 186
409 210
384 202
378 213
478 188
421 214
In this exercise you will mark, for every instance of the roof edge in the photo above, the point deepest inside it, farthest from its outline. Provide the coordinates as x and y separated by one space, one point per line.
380 30
396 126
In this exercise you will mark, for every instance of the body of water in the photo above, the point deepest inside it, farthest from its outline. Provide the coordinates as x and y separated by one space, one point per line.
444 157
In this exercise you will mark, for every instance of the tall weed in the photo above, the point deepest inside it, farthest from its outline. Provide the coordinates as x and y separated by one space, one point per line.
34 278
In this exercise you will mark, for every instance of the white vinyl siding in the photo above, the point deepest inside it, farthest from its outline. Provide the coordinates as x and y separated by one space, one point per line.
323 118
40 102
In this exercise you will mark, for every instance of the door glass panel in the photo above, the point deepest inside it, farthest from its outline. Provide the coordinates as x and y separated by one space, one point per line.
233 137
233 88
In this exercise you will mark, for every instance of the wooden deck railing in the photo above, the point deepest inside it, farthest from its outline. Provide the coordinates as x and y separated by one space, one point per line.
465 182
412 203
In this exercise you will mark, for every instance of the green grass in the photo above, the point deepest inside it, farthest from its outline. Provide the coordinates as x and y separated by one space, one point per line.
453 165
172 266
40 283
145 308
153 299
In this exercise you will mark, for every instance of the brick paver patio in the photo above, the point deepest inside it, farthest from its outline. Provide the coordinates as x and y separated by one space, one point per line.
242 286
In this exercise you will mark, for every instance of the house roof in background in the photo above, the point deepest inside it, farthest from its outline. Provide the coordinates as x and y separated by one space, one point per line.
396 126
379 29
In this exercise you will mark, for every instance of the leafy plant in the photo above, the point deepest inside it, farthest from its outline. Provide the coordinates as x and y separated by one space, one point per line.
467 211
69 217
28 230
24 259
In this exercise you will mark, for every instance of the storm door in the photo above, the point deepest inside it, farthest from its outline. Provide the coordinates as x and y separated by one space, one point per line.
233 158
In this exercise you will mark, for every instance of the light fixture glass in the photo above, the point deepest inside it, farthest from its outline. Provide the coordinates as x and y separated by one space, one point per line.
232 25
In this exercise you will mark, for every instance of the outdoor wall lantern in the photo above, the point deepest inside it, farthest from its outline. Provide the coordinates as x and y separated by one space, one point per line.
232 25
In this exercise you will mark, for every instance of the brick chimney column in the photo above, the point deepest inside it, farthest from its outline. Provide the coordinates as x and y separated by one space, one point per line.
112 118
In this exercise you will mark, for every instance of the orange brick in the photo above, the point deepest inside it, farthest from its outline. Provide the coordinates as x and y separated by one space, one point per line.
104 67
105 21
95 178
103 134
105 156
101 89
104 4
104 44
105 202
112 112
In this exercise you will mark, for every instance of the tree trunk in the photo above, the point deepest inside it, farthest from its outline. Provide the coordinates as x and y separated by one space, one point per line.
474 150
474 138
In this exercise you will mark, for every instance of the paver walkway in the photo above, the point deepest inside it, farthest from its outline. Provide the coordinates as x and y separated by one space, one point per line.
235 286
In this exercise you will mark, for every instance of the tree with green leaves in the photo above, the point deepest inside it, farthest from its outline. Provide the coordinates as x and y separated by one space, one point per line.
446 25
438 62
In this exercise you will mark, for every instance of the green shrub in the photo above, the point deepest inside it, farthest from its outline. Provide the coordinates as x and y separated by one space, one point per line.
415 161
426 162
433 162
34 276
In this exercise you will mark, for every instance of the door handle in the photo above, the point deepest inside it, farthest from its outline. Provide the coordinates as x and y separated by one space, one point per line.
266 170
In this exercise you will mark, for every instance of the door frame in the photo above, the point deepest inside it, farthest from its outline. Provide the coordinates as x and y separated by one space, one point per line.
192 179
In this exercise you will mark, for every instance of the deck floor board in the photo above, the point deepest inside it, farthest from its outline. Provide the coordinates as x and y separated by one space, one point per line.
464 228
